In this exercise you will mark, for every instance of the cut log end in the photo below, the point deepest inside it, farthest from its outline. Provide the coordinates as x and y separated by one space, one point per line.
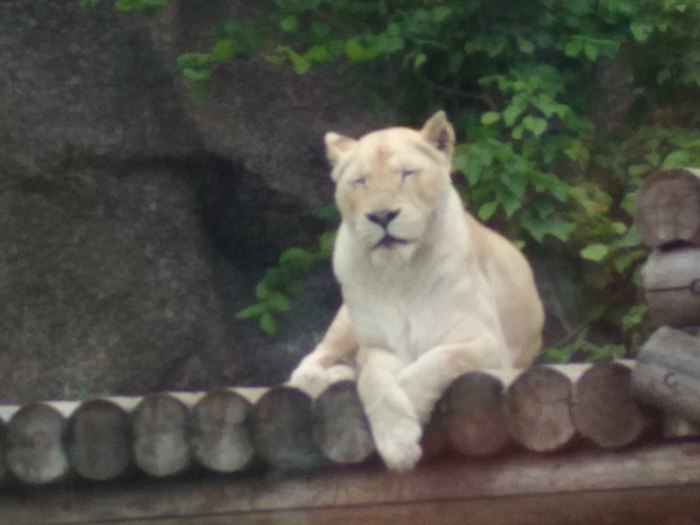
667 372
668 208
283 423
35 437
672 286
99 440
342 430
538 408
604 409
160 435
220 425
472 415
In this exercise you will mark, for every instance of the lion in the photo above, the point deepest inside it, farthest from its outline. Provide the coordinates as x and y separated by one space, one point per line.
429 293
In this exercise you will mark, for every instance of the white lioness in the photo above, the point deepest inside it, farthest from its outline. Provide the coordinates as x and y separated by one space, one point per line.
429 293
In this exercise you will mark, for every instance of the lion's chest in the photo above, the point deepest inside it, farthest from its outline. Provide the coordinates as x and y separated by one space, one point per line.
410 315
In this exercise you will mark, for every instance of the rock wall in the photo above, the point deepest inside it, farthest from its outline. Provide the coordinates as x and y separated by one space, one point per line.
134 224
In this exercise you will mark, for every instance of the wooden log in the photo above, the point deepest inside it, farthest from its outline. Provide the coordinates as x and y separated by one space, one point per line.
342 431
513 489
473 416
668 208
283 423
538 409
35 438
160 446
672 286
433 442
605 411
3 451
667 372
220 431
99 440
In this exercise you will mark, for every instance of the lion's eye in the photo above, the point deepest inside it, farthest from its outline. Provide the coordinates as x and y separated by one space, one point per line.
405 173
359 181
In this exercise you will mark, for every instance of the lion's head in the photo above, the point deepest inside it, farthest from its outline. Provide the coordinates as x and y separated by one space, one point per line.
389 182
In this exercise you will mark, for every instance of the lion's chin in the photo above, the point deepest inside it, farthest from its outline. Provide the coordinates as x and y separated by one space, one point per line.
392 251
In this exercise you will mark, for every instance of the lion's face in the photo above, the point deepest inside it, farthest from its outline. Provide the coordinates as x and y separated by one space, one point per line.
389 182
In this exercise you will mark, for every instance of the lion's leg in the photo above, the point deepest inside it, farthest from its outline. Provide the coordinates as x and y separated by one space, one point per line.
393 421
427 378
320 368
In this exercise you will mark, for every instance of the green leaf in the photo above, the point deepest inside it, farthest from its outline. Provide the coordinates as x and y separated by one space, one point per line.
356 52
573 47
513 110
525 46
196 75
440 14
676 159
317 54
487 210
279 302
223 50
595 252
419 60
296 257
289 24
254 310
641 30
300 64
535 125
590 51
261 291
562 230
490 117
326 242
268 324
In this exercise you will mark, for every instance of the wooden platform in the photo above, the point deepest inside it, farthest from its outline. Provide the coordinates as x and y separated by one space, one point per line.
653 484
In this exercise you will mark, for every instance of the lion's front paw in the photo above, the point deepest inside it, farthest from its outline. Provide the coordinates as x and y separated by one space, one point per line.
311 378
398 443
396 430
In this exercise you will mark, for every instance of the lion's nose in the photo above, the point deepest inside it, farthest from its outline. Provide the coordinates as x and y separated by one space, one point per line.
383 217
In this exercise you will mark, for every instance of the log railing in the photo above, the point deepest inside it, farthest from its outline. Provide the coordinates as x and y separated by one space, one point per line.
543 409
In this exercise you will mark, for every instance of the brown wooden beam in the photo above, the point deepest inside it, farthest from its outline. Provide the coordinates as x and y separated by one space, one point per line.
511 486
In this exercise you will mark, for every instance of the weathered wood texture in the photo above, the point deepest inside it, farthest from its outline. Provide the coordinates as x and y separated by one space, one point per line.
647 485
473 415
99 440
543 409
667 372
672 286
283 429
668 208
220 431
161 445
341 427
538 405
35 451
605 411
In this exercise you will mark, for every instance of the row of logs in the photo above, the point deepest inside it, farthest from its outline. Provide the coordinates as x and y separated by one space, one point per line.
667 215
542 409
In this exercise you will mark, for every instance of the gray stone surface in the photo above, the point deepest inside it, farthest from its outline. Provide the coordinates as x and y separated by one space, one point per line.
103 282
135 224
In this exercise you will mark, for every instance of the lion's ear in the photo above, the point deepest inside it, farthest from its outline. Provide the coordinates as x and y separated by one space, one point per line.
439 132
336 145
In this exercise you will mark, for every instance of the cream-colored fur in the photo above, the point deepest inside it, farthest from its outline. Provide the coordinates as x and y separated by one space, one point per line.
429 293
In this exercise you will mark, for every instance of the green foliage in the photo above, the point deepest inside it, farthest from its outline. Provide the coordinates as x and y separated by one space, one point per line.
283 282
518 79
